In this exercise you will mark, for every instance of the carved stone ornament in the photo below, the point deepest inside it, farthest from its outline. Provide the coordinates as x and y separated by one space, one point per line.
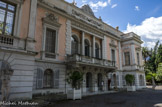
89 20
87 10
112 44
51 19
138 48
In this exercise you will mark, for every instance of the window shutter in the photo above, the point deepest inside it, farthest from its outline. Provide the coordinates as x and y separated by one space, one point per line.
39 78
56 79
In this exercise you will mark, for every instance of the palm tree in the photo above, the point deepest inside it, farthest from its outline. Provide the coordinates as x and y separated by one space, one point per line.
145 53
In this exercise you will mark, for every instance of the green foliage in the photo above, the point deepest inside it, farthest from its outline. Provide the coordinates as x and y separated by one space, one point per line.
145 53
159 72
75 79
152 67
129 79
159 55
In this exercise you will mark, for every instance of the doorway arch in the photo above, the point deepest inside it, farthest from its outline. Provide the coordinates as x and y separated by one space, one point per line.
89 81
100 84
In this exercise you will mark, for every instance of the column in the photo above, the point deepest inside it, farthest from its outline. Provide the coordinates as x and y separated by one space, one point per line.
94 54
120 60
103 51
32 25
144 80
83 51
137 80
133 54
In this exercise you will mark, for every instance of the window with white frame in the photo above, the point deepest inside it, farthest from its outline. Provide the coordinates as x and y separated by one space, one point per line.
127 58
50 43
7 17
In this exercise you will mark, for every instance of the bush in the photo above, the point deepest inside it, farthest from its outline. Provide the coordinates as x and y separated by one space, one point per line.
75 78
129 79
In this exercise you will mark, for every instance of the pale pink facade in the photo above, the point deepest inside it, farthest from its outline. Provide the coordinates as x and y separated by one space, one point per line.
53 37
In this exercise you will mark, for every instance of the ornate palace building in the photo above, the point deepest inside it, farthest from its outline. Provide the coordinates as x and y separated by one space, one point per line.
42 40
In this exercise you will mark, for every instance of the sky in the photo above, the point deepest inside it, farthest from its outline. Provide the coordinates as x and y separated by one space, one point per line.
143 17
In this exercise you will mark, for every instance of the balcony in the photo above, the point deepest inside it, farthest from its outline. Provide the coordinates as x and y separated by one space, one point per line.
85 60
133 67
8 41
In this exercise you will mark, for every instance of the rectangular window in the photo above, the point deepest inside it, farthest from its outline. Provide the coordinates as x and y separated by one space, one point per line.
7 16
50 46
127 58
138 59
113 54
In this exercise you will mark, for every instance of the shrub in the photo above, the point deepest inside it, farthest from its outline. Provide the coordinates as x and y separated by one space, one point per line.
129 79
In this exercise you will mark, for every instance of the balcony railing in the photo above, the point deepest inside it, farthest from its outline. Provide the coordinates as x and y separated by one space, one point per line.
7 40
133 67
89 60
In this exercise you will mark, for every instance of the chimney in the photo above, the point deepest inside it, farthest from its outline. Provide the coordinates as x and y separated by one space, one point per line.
100 18
74 2
117 28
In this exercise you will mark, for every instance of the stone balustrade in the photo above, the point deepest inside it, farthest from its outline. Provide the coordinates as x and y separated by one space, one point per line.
90 60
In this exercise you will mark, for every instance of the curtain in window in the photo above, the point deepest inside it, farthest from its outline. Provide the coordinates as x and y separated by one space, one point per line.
87 47
48 79
127 58
96 50
74 45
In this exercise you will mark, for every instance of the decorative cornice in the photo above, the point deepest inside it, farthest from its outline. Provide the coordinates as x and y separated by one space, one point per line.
72 18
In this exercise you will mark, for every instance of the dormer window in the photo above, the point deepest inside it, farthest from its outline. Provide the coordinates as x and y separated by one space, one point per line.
7 16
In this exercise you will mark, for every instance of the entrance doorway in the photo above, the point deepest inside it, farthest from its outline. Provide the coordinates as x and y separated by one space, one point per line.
89 81
100 84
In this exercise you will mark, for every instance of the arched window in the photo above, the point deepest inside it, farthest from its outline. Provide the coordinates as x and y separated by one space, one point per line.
87 48
48 79
74 45
97 50
99 76
89 80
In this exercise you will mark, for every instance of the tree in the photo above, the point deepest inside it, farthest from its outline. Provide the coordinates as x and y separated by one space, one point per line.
159 55
129 79
75 78
145 53
159 72
151 66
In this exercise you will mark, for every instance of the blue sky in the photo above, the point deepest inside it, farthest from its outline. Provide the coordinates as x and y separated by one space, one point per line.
143 17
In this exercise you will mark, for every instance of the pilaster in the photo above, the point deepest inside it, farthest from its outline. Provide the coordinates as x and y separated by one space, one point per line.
32 25
133 53
68 37
83 43
93 47
120 55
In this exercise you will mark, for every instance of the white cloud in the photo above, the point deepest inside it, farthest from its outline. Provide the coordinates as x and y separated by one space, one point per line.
114 5
84 1
96 6
137 8
109 2
150 30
